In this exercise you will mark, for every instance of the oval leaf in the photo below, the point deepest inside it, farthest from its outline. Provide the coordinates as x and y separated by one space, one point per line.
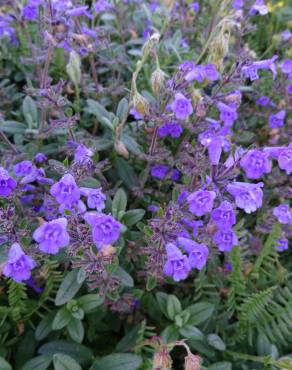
118 361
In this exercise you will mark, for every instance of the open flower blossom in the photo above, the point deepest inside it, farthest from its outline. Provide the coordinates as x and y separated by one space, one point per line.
282 245
228 113
105 229
237 4
177 265
23 168
248 197
283 155
82 153
251 71
201 202
52 235
225 240
95 198
159 171
200 72
286 66
7 183
172 129
18 266
198 253
224 215
66 192
255 164
215 142
259 7
283 214
277 120
181 107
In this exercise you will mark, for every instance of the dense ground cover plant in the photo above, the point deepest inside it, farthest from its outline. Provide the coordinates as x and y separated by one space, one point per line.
145 185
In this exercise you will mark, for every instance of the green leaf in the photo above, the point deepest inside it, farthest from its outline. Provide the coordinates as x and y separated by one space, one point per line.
200 312
44 328
122 110
30 112
151 283
13 127
126 279
173 306
64 362
89 302
191 332
61 319
162 302
170 334
37 363
130 339
77 351
68 288
4 365
125 172
100 113
216 342
133 216
76 330
118 361
224 365
119 202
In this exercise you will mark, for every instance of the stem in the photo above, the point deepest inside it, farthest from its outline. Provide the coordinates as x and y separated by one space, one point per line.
8 142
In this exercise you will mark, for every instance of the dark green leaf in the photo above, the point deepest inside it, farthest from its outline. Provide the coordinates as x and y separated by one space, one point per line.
133 216
76 330
118 361
13 127
4 365
191 332
173 306
44 328
64 362
119 202
200 312
68 288
224 365
61 319
126 279
89 302
122 110
79 352
216 342
37 363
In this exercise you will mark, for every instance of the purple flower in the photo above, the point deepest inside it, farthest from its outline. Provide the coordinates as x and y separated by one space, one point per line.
82 153
283 214
237 4
177 265
182 107
198 253
95 198
228 113
19 265
195 6
215 149
152 208
211 72
286 66
283 155
201 202
101 6
200 72
23 168
135 114
282 245
224 215
172 129
175 176
256 163
159 171
30 12
263 101
79 11
7 183
251 71
225 240
66 192
105 229
52 236
286 35
248 197
277 120
40 157
259 7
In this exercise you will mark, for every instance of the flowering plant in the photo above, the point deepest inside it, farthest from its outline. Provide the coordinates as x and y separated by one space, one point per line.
145 185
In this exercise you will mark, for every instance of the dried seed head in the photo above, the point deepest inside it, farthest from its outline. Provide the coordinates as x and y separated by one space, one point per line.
140 104
192 362
162 360
157 81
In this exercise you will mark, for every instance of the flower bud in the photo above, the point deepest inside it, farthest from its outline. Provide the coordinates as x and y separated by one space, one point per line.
162 360
121 149
73 68
196 96
201 109
157 81
192 362
140 104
